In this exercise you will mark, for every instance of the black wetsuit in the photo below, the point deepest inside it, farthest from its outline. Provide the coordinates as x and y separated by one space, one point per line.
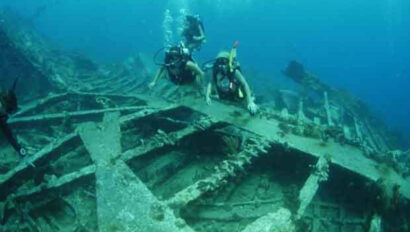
5 129
227 85
176 68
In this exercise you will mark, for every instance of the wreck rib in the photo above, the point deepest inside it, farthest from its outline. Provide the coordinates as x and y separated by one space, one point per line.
226 169
15 177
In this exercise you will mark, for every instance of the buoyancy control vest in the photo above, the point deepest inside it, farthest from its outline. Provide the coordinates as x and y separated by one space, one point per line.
176 60
227 85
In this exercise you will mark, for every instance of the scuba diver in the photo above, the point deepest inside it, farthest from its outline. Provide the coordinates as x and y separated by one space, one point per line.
8 105
180 67
193 32
230 84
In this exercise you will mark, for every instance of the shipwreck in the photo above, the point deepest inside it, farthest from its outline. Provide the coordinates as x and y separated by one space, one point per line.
108 154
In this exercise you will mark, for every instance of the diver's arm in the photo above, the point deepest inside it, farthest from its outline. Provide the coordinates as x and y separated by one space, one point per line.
245 85
201 36
211 84
154 81
249 99
199 75
208 93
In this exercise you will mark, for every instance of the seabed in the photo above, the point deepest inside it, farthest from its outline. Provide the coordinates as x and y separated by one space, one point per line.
108 154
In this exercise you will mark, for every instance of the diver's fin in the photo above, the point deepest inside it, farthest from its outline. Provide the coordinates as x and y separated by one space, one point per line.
13 87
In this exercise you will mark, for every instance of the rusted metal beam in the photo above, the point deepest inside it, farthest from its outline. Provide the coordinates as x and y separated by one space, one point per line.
155 143
57 182
15 177
86 113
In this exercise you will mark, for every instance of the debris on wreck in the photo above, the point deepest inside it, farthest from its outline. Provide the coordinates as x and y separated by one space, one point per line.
106 154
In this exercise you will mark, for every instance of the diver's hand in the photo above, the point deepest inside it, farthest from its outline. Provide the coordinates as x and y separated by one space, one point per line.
252 107
151 85
208 100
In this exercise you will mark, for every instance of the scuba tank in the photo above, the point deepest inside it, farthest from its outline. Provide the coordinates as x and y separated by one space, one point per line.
232 56
173 56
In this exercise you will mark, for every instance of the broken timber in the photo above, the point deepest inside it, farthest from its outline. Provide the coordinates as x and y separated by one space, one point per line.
44 103
19 174
79 114
57 182
327 109
320 174
150 145
22 172
131 206
227 168
349 157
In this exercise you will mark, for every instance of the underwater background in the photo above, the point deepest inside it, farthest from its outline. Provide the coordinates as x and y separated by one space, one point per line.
362 46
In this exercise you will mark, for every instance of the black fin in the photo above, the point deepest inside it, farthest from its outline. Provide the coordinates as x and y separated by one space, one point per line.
13 87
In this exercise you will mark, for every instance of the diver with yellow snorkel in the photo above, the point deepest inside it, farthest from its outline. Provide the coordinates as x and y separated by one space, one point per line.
229 82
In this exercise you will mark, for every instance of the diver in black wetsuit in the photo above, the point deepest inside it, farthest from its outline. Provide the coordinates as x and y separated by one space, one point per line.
193 32
180 68
8 105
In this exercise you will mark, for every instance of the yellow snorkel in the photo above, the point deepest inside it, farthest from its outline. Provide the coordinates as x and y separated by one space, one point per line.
240 93
232 56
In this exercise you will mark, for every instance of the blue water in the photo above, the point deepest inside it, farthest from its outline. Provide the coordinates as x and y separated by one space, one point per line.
362 46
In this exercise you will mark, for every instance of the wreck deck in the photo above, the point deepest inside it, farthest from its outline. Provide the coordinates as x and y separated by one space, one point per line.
108 154
347 156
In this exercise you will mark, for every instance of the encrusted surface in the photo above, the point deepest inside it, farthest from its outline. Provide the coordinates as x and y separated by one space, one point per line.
107 154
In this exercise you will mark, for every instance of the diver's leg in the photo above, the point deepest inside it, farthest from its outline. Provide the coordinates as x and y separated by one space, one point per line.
199 76
9 136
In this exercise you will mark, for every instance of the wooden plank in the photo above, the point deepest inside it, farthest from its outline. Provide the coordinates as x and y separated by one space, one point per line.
226 169
346 156
51 99
87 113
57 183
123 200
21 172
152 144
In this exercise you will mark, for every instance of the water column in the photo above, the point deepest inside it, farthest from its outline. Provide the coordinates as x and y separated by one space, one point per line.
167 28
392 15
174 19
